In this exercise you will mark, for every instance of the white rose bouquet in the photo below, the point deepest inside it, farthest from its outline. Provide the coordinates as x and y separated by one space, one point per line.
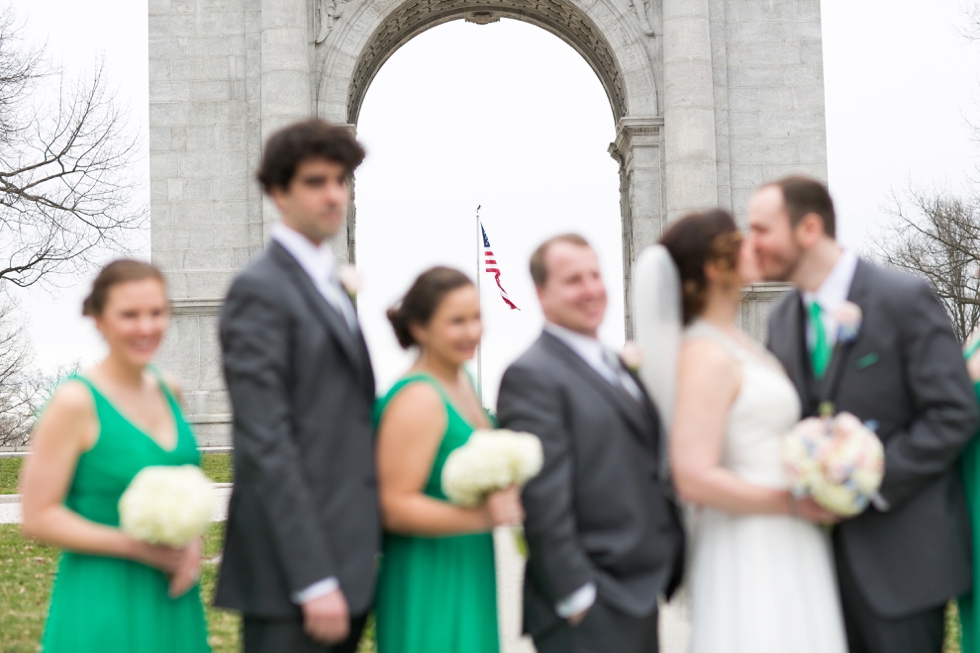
491 461
167 505
838 461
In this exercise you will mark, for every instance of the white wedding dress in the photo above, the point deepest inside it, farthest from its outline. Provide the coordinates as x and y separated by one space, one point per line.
760 583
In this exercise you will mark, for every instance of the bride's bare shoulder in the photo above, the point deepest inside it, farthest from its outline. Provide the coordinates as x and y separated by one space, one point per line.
703 352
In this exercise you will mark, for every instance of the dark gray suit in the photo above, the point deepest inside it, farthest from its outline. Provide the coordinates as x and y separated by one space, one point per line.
906 373
304 505
599 511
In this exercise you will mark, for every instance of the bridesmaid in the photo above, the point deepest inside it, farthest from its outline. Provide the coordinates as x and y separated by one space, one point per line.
437 586
114 594
969 607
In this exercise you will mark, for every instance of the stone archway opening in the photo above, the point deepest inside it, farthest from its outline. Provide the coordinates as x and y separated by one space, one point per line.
618 46
523 132
564 20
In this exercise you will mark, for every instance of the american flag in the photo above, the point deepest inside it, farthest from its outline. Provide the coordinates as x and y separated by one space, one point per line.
492 268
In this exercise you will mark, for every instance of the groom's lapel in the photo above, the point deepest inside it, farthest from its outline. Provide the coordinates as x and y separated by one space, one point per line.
627 406
336 323
843 353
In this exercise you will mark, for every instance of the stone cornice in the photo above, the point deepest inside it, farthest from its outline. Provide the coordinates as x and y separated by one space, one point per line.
766 291
639 130
196 306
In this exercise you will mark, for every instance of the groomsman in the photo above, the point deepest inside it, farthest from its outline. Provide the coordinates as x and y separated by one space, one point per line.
895 362
605 539
303 526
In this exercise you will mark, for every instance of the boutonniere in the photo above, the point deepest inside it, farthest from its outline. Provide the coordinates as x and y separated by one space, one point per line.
848 317
351 280
632 357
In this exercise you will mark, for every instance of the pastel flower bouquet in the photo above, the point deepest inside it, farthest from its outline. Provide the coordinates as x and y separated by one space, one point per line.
167 505
836 460
491 461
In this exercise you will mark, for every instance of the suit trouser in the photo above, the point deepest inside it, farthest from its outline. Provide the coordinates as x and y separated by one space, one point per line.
288 636
869 633
604 630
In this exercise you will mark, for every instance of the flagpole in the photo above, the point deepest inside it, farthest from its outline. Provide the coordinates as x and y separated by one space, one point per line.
479 294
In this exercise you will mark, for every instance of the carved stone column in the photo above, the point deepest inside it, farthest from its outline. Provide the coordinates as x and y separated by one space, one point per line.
689 108
286 94
638 151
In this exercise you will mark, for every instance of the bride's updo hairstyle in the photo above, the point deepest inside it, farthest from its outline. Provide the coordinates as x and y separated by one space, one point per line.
119 271
696 240
422 300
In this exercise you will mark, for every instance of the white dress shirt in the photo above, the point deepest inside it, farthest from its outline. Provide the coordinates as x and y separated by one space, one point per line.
606 364
599 357
320 264
831 295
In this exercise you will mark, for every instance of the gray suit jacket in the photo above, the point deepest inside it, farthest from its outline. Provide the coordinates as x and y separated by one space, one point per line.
600 510
304 505
904 372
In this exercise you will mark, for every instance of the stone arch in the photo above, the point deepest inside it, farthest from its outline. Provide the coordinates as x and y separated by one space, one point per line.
620 43
612 41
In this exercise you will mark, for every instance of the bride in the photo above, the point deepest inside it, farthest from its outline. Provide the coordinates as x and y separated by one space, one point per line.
761 577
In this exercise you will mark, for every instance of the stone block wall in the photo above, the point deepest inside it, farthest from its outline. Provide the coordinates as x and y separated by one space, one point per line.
206 213
767 61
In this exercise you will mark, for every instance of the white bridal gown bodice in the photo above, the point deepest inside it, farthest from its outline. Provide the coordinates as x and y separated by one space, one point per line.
760 583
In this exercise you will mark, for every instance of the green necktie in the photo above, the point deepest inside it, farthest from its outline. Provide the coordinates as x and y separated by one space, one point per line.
821 352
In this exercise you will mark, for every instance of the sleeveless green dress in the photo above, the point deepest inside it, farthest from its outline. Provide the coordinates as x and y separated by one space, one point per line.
437 594
110 605
969 607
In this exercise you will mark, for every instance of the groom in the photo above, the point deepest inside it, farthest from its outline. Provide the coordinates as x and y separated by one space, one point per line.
605 539
303 526
897 364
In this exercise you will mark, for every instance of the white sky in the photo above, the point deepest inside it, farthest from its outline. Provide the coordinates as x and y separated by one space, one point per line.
515 120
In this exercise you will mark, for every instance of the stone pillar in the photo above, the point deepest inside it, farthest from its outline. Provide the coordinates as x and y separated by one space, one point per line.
689 108
638 151
285 79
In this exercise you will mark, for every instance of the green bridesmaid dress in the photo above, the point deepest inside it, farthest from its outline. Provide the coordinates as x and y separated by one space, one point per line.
110 605
970 464
437 594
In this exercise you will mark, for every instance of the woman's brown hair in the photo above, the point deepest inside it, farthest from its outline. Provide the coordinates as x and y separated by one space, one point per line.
119 271
694 241
422 300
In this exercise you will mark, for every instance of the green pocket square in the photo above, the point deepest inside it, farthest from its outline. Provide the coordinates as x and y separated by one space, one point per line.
866 361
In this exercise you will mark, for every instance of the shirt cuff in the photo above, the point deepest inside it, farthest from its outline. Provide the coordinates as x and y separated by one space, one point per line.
578 601
316 590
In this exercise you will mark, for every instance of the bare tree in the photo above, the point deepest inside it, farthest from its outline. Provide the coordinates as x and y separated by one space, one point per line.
19 387
936 235
65 156
66 198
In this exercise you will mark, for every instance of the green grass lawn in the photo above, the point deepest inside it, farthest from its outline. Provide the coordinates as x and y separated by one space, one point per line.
216 465
9 473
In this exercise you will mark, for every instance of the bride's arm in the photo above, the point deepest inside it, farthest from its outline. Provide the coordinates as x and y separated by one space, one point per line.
67 429
408 439
708 383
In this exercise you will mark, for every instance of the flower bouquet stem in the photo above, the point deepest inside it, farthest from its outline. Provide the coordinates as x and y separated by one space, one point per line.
520 540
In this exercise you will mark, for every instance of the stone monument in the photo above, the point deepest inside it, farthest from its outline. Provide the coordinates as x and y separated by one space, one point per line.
710 99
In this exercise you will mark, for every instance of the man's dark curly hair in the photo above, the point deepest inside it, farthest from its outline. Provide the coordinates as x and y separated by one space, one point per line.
302 141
